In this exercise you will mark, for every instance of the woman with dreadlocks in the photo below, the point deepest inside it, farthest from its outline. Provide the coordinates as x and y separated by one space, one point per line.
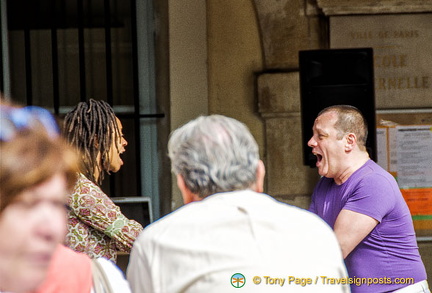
96 225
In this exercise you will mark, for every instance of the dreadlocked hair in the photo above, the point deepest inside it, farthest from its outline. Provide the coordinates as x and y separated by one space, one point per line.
88 128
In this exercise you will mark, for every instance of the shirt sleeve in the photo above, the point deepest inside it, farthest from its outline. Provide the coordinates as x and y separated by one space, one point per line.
372 197
94 208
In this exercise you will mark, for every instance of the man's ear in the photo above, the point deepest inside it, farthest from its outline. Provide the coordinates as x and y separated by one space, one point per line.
188 196
260 174
351 141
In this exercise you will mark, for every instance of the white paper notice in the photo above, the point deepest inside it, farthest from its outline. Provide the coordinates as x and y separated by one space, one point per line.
414 156
382 153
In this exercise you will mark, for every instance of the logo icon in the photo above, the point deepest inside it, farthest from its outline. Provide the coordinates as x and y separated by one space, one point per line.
238 280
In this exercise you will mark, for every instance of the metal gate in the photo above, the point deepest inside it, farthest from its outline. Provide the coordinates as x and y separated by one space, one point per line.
61 52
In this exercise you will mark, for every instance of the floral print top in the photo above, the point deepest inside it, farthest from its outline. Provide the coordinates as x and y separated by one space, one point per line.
96 225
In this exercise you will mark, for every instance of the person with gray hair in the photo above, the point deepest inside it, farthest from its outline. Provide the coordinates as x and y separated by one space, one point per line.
196 153
229 234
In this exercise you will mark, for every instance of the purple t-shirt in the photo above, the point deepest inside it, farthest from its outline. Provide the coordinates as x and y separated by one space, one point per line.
390 251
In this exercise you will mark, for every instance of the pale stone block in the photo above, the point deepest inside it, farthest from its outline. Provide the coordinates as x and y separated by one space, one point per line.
286 174
279 105
278 93
402 63
286 29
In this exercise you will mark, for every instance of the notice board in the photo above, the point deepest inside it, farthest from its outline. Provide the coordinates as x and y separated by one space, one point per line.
406 152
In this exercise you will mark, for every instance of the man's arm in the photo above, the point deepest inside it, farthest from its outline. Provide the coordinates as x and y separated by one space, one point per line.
351 228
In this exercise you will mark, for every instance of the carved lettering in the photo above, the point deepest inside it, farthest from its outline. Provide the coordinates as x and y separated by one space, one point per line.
401 48
383 34
361 35
386 61
406 34
401 34
402 83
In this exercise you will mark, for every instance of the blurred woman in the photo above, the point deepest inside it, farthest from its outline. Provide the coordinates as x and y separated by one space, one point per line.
37 170
96 225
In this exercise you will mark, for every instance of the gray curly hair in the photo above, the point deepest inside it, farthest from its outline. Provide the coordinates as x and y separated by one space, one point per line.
214 154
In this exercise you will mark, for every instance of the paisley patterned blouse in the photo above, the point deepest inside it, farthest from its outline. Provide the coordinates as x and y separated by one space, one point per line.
96 225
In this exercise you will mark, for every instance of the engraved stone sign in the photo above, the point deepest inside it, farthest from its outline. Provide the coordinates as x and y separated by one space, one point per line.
402 46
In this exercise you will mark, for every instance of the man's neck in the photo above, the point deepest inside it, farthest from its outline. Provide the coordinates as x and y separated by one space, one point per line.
353 165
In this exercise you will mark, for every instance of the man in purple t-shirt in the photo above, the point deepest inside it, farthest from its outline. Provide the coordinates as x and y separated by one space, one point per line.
364 206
